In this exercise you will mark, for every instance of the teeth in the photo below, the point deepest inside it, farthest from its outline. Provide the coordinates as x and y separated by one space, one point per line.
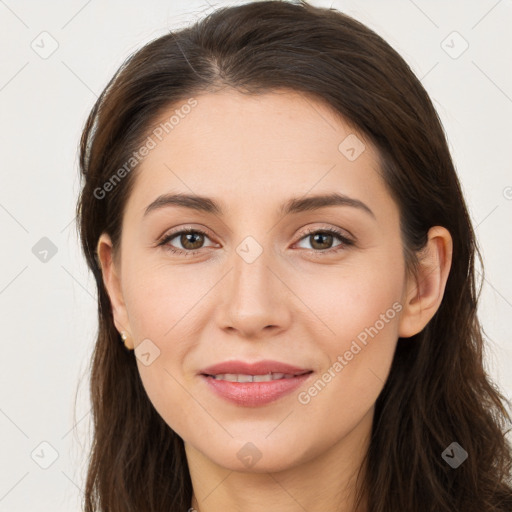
266 378
234 377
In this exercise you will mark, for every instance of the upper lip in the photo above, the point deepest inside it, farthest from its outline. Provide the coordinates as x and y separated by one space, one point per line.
257 368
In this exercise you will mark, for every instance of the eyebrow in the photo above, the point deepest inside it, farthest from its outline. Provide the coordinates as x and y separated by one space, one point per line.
292 206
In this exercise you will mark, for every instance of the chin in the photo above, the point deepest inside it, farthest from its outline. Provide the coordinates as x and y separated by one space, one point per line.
256 457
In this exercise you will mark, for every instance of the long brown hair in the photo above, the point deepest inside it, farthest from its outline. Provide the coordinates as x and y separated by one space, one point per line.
437 392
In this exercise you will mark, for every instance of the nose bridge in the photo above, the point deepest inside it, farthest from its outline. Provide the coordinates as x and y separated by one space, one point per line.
251 277
253 296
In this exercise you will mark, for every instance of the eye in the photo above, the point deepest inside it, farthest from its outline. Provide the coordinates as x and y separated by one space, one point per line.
191 241
322 239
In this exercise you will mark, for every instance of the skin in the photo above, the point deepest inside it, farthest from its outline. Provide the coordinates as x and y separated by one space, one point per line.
251 153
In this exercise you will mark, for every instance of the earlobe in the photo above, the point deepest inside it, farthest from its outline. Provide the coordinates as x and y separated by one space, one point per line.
112 282
423 295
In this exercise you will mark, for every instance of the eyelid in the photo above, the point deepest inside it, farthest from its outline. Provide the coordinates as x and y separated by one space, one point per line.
342 233
169 235
346 241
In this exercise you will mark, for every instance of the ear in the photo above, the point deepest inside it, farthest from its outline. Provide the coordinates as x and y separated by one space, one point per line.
111 279
424 294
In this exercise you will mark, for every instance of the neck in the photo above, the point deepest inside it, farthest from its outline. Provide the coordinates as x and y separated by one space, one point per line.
326 482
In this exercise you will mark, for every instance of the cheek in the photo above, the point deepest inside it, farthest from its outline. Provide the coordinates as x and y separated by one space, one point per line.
164 305
356 325
160 309
344 301
163 301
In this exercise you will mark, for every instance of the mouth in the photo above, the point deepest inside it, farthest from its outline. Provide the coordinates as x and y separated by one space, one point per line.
243 377
256 384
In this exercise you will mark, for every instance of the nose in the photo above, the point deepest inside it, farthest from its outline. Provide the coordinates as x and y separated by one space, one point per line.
255 302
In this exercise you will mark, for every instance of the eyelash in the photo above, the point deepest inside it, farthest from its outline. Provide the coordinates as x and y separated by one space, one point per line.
345 242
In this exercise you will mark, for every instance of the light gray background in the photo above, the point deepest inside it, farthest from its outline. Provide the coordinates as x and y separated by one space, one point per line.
48 309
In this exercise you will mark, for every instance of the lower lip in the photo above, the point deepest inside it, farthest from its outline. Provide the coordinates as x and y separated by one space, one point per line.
254 394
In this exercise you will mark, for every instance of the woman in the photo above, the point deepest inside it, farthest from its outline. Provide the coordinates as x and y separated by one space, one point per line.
285 272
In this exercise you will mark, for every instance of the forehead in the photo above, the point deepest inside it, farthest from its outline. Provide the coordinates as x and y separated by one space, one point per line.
254 149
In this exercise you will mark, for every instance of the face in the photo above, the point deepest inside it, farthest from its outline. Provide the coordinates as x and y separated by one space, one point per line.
271 275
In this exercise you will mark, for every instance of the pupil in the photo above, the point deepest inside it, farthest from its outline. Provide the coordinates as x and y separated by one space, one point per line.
321 236
186 238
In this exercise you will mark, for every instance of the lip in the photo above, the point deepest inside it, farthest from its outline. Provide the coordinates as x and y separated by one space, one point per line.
254 394
257 368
